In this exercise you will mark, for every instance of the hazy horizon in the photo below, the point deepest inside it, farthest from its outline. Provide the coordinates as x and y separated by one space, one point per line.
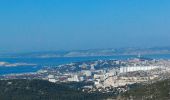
41 25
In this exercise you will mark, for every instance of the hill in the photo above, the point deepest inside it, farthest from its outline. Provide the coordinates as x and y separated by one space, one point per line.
156 91
43 90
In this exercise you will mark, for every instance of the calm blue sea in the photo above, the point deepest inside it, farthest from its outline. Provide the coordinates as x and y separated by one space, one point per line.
57 61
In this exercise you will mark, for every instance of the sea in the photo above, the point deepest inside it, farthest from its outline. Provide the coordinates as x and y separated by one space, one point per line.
41 62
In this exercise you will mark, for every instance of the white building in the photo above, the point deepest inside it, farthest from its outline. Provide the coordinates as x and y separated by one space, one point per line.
87 72
73 78
97 82
99 76
52 80
137 68
50 76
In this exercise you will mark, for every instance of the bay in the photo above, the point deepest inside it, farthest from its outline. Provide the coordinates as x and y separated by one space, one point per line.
41 62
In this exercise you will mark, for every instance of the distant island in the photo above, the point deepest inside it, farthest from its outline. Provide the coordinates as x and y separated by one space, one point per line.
7 64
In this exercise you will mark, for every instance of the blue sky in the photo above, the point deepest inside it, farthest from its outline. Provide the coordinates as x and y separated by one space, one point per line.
41 25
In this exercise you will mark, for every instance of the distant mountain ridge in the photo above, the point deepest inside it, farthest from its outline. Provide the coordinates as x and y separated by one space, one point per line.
93 52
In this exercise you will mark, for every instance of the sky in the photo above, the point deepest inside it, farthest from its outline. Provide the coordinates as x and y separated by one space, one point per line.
44 25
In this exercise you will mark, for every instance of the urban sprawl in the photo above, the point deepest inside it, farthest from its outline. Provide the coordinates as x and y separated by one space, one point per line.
104 75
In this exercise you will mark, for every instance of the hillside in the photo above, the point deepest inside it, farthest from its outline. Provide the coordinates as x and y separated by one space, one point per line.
156 91
42 90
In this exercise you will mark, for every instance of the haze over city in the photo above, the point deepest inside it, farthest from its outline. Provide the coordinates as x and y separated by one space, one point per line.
41 25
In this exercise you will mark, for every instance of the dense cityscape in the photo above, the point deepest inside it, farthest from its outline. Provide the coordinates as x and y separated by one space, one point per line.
103 76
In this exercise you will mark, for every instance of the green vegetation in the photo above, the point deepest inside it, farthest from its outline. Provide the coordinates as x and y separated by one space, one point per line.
43 90
156 91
